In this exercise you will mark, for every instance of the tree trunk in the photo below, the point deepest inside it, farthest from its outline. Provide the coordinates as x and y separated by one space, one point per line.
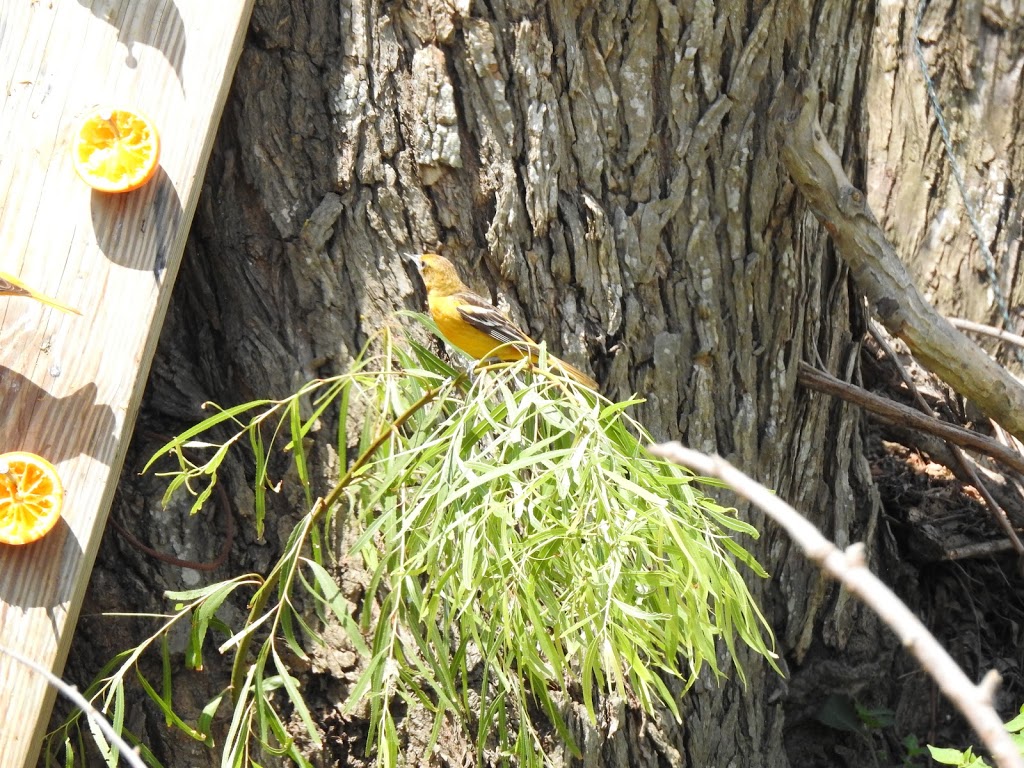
608 172
971 53
964 254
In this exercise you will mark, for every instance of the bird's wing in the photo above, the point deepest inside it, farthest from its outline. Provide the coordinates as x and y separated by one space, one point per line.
479 314
485 318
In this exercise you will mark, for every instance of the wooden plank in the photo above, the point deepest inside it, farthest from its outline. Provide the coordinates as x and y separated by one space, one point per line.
70 386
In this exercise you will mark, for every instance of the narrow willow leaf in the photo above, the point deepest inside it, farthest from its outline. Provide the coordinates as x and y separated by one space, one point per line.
170 716
106 752
202 615
297 444
117 721
286 615
262 481
235 749
204 724
330 593
292 689
204 426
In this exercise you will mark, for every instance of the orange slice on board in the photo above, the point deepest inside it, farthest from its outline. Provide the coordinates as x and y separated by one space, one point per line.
115 150
31 497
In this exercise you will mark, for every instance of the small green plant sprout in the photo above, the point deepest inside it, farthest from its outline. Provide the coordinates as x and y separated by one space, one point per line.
967 758
912 750
522 549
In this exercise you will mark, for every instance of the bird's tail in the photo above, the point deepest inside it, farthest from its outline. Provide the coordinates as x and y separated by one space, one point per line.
10 286
574 372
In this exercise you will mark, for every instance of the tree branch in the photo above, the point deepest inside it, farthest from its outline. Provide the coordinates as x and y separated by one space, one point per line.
988 330
974 701
812 378
844 212
998 514
94 715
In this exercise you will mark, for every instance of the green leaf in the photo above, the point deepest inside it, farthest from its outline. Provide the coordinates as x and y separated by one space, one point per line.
330 594
292 689
1016 725
948 756
220 417
170 716
204 726
202 615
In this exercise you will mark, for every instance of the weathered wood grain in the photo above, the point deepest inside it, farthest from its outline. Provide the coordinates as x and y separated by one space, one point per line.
70 386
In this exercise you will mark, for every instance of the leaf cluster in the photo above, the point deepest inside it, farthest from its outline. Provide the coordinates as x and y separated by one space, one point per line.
523 550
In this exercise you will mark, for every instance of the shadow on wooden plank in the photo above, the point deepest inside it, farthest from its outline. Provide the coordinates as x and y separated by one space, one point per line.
159 217
57 551
156 24
90 427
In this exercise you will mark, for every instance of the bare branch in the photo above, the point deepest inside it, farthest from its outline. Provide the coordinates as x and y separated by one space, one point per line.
71 693
980 549
974 701
988 330
998 514
843 211
898 413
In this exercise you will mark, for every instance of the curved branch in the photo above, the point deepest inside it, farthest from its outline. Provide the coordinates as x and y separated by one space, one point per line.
974 701
843 211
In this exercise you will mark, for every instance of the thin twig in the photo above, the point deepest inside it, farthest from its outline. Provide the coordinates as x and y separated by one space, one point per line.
995 509
988 330
849 568
71 693
898 413
978 549
1012 444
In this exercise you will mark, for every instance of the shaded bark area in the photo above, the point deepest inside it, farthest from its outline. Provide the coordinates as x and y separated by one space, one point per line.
606 171
973 54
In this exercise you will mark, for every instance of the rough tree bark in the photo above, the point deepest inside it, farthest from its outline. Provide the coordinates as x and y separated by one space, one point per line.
972 52
607 171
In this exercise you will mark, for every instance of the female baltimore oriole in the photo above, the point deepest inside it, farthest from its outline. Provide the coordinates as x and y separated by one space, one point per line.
12 286
470 323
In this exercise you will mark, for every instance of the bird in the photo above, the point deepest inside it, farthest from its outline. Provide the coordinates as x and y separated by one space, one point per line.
12 286
471 323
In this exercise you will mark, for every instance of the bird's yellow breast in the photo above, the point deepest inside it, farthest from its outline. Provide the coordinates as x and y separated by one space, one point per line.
472 341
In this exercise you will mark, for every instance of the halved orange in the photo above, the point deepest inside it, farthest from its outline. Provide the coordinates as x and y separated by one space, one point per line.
31 497
115 150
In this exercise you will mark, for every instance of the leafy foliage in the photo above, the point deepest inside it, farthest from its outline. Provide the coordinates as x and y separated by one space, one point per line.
967 758
522 547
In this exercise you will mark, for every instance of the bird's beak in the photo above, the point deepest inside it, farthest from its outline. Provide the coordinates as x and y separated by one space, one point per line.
410 259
